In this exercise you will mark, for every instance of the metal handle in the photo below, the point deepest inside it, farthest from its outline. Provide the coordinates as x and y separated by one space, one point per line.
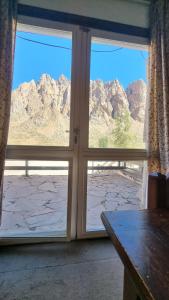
76 133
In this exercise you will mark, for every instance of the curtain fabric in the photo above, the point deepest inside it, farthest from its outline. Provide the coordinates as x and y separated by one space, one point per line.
8 10
158 118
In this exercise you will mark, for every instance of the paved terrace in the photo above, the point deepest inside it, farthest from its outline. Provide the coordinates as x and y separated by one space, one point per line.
36 204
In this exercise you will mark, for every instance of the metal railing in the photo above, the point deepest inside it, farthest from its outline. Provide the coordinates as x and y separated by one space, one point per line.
27 167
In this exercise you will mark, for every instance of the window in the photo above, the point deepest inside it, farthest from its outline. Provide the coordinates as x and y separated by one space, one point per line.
41 106
117 101
113 185
76 142
35 198
113 167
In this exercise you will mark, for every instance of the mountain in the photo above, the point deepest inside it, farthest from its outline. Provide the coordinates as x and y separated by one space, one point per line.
136 94
40 111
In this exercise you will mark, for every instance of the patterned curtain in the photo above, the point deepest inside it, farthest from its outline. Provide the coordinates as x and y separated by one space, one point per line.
8 10
158 127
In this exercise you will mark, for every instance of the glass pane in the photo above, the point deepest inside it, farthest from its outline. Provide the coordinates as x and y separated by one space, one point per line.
117 101
35 198
40 108
113 185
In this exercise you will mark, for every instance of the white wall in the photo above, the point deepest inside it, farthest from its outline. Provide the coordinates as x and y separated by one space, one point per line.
123 11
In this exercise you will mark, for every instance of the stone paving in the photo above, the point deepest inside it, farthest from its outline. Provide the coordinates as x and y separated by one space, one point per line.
38 204
113 191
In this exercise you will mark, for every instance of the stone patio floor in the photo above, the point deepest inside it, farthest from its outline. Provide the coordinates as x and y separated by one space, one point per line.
37 204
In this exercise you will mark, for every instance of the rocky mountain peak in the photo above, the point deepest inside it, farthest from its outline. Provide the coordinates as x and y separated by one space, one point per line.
49 97
62 79
136 94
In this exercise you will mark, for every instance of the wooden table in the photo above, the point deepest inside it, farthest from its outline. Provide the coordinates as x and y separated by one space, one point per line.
142 240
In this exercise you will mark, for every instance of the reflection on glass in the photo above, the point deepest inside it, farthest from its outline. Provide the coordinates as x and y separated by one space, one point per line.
35 198
113 186
117 96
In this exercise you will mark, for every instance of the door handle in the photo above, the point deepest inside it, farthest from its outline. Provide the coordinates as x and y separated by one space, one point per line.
76 133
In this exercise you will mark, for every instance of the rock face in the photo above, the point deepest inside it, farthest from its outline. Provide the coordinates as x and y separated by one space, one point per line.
136 95
45 104
40 99
107 100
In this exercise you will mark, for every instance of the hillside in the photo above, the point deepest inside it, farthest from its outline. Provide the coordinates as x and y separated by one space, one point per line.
40 113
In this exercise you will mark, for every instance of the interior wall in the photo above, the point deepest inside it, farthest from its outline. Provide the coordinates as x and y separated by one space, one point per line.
129 12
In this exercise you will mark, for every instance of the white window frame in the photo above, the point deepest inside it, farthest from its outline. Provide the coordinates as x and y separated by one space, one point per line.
87 153
77 154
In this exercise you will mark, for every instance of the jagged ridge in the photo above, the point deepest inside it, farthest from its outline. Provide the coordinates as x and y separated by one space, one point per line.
45 104
106 98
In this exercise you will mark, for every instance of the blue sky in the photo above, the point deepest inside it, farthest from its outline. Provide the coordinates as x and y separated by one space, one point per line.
32 60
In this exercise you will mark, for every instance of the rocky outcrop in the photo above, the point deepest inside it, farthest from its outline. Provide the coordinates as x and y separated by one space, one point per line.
40 111
118 98
39 101
136 95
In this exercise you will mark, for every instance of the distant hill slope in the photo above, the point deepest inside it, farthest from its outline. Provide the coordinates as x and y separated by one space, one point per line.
40 111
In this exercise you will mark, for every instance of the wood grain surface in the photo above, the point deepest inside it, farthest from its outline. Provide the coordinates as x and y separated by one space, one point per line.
142 240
